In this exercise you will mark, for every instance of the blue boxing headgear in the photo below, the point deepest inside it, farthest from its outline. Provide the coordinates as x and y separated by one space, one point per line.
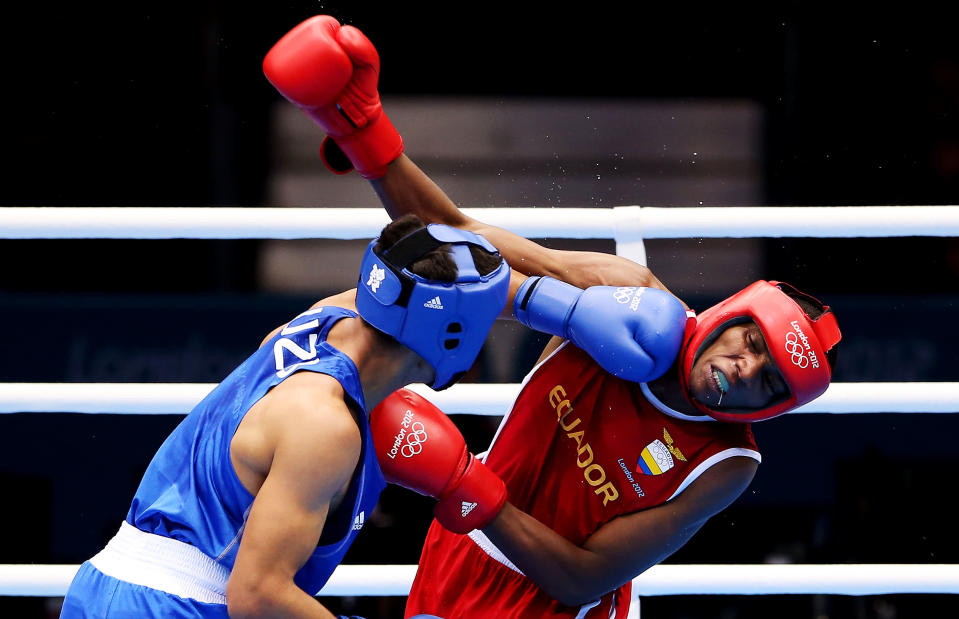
444 323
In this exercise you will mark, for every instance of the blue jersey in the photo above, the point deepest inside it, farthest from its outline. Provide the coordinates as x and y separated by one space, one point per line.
190 491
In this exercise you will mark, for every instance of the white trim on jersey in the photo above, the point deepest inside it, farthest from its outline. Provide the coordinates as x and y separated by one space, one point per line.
585 608
522 386
668 411
484 543
713 459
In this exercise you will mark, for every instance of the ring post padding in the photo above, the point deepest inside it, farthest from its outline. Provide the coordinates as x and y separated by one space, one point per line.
628 233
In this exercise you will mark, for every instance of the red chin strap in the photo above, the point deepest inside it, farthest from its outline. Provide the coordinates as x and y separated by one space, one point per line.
796 343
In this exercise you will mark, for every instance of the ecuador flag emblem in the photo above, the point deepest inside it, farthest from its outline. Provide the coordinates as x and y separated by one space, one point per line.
657 457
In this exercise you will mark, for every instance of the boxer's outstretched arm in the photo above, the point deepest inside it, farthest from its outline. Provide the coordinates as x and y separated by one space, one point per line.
332 73
621 549
405 189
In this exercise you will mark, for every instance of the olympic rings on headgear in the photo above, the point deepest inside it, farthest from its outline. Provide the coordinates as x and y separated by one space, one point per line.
795 349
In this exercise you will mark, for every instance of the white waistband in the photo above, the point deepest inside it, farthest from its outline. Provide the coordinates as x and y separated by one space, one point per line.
164 564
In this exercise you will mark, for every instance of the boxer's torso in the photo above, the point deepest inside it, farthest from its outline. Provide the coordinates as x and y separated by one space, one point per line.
578 448
190 491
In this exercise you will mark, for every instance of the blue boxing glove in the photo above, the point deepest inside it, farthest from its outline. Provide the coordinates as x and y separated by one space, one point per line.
632 332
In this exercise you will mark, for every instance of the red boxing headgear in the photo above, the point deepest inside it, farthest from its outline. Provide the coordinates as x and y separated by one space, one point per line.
797 344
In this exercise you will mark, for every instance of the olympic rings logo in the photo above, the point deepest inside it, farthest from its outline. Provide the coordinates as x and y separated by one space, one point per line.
623 294
414 440
795 348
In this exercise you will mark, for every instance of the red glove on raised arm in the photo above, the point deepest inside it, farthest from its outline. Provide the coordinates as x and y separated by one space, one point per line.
331 72
419 448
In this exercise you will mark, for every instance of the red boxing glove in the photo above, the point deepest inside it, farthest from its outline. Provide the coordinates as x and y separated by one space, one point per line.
331 72
419 448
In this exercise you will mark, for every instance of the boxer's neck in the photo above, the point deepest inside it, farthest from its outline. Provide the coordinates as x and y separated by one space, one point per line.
669 391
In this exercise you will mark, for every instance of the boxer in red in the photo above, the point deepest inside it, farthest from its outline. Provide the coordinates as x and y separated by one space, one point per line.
630 432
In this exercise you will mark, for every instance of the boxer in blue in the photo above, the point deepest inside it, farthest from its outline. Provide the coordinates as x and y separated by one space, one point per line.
250 504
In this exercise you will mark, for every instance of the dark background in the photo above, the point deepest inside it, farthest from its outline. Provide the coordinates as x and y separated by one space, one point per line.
165 105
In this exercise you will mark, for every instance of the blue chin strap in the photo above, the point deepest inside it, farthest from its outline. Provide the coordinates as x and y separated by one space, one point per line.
444 323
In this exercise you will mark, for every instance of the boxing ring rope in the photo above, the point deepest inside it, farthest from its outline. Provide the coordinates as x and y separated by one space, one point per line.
629 226
778 579
625 224
463 398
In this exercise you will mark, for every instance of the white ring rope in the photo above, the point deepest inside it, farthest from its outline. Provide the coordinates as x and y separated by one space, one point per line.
627 225
870 579
492 399
624 223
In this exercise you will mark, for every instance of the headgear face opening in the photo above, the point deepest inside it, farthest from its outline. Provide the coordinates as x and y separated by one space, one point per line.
444 323
797 345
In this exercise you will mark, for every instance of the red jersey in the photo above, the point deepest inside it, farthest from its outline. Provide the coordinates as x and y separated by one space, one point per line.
578 448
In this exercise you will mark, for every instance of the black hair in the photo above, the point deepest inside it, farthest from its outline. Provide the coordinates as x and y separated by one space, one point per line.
437 265
814 309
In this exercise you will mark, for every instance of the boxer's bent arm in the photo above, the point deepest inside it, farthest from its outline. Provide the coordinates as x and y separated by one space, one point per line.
621 549
407 189
315 454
